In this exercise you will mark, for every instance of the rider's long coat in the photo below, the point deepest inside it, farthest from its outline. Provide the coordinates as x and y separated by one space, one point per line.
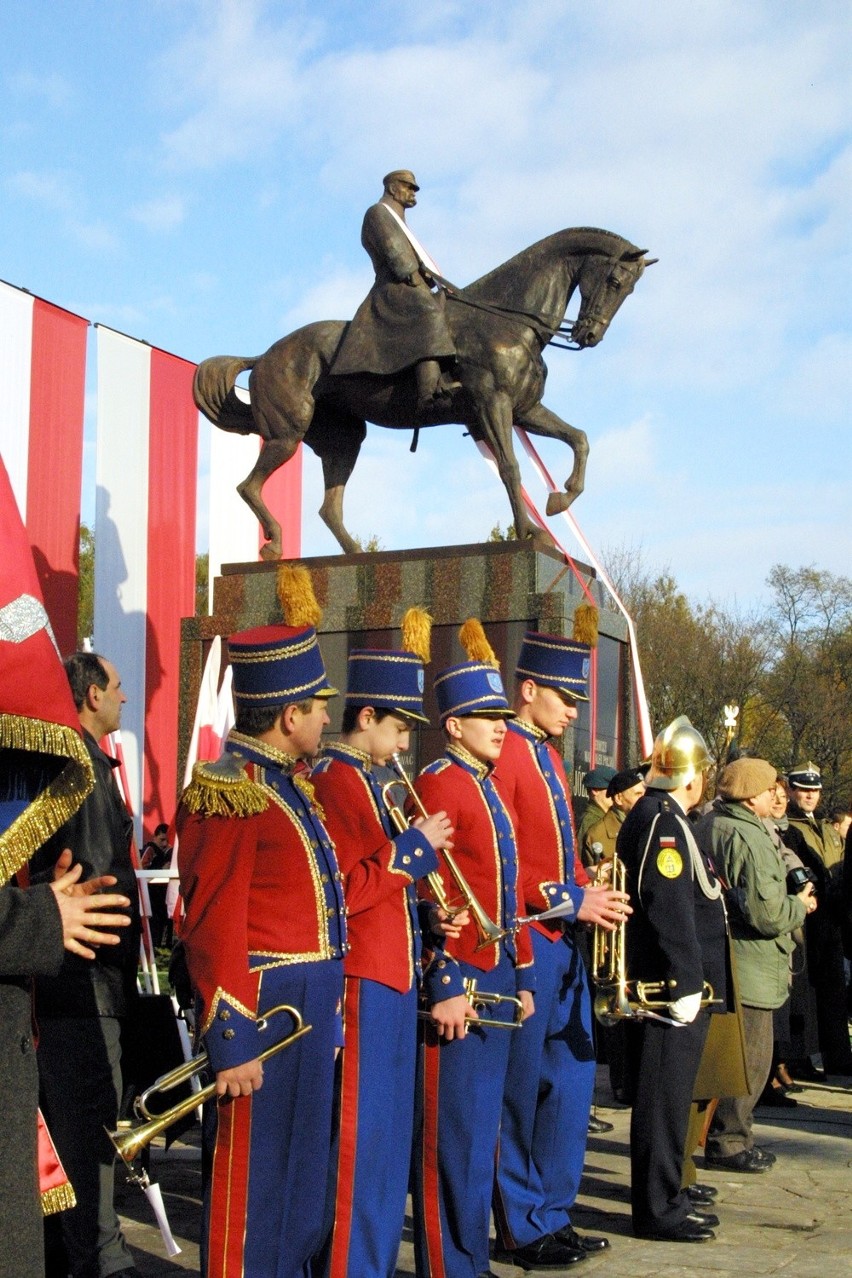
397 324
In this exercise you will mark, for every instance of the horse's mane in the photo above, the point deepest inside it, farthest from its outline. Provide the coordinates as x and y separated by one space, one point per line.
574 240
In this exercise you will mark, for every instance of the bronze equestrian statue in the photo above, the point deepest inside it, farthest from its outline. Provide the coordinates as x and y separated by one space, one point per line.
493 373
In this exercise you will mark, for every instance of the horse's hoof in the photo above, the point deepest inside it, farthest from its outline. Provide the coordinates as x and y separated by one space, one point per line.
557 502
272 550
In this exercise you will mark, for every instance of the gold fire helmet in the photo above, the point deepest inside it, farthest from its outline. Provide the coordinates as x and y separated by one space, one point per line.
680 754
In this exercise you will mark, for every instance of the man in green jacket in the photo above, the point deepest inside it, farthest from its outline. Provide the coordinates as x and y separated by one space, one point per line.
762 916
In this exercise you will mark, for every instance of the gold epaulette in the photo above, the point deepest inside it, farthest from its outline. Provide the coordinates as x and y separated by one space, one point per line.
223 789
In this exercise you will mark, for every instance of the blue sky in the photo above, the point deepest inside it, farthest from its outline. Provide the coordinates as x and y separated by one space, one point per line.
194 173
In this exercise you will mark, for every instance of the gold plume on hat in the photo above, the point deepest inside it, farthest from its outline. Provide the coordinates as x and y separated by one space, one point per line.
475 643
586 625
417 633
296 596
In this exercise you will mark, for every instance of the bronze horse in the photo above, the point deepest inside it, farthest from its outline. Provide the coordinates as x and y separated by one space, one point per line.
501 323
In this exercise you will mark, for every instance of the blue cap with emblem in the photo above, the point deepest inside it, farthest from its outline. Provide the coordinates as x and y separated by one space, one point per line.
554 661
473 687
393 680
282 664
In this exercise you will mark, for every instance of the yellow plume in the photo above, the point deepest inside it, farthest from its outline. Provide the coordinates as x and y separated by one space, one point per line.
417 633
296 596
586 625
475 643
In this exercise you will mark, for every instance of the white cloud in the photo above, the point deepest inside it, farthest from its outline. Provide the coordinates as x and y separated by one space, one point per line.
161 214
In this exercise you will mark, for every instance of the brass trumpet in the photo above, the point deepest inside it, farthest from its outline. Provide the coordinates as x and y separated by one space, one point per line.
482 998
487 931
617 998
130 1139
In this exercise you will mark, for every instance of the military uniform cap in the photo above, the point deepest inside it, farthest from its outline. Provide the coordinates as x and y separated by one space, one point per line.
277 665
388 680
624 781
555 662
400 175
805 777
473 687
598 778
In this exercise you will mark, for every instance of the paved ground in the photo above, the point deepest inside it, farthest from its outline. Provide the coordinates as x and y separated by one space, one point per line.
794 1220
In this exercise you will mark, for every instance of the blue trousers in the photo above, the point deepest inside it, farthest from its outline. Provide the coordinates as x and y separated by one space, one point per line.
548 1097
264 1200
373 1130
459 1095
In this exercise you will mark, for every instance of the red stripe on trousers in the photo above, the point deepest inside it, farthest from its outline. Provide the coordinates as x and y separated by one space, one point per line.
226 1231
55 465
349 1082
172 470
431 1181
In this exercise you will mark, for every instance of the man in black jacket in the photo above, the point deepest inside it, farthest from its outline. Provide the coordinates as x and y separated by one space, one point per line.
80 1011
675 936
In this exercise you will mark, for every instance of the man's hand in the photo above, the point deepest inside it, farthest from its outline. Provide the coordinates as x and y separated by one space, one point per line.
437 828
685 1009
240 1080
442 923
806 896
527 1003
83 906
449 1016
604 906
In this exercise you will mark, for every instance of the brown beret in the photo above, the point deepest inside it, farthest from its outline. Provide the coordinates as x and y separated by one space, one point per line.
744 778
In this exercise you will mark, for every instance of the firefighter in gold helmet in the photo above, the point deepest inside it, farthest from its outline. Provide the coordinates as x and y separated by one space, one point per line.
676 935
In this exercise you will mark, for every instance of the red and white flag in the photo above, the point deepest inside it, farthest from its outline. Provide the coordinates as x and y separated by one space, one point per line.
146 470
42 397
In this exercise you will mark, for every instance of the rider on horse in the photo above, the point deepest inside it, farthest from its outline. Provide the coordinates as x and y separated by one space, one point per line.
401 322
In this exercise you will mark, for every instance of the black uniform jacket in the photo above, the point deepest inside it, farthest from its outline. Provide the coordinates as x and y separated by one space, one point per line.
676 933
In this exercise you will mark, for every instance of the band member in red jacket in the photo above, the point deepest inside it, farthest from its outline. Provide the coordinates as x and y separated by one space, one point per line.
552 1063
380 867
265 926
463 1063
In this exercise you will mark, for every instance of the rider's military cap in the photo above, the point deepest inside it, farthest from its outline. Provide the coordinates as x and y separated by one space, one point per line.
400 175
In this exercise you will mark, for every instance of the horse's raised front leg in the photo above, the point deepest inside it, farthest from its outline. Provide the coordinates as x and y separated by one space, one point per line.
494 416
274 453
541 421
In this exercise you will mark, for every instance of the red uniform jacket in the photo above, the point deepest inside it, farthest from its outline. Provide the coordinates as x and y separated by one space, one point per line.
378 871
531 778
261 886
484 848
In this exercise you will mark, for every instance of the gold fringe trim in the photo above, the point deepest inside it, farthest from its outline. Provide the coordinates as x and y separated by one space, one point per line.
417 633
216 795
475 643
60 1198
296 596
58 801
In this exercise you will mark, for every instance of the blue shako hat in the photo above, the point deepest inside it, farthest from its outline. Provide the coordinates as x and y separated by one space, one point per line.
277 665
555 662
474 687
388 680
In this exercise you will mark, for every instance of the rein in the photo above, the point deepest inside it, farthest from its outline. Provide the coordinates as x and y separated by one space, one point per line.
492 308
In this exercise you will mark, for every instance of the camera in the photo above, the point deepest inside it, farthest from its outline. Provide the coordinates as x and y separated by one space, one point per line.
798 877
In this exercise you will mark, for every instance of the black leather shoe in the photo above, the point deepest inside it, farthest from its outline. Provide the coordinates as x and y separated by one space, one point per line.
708 1218
585 1242
597 1126
701 1193
747 1160
777 1097
545 1253
685 1232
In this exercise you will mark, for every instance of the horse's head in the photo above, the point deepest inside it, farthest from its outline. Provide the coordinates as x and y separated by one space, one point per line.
604 282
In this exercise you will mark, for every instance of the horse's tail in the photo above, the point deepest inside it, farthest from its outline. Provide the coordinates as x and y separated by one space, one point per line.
213 390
